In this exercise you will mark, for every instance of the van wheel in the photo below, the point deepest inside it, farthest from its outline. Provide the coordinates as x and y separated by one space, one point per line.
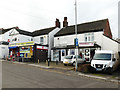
65 64
110 71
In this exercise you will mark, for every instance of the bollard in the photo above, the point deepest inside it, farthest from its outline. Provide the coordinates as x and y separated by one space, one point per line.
38 61
56 62
22 59
46 61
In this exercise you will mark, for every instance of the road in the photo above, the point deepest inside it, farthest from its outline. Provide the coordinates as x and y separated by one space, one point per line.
25 76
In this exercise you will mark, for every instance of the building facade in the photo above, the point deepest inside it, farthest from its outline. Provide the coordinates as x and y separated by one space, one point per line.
91 36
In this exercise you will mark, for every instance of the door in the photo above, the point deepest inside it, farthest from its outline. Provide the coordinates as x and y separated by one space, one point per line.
41 55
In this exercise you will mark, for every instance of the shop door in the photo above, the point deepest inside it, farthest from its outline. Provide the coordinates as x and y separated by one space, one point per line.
41 55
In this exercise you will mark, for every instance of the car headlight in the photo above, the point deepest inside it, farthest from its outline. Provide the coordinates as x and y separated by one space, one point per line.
92 65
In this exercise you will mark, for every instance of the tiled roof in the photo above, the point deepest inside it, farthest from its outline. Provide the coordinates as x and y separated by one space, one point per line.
43 31
24 32
94 26
2 31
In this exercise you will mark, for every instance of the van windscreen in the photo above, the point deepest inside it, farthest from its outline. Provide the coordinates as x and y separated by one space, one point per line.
102 56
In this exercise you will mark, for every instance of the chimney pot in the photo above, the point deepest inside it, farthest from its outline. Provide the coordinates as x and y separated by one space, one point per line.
65 23
57 23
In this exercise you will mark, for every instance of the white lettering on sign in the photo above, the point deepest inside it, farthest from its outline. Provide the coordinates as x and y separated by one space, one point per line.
42 47
83 44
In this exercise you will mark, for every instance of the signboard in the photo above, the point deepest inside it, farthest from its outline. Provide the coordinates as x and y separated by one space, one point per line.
76 41
26 51
22 44
42 47
85 44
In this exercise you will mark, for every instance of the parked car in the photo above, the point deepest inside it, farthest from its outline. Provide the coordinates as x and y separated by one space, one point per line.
71 60
104 60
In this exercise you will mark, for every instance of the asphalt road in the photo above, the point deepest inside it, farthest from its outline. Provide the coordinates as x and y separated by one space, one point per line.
25 76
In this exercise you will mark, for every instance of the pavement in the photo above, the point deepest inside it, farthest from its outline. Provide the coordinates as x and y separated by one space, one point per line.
115 78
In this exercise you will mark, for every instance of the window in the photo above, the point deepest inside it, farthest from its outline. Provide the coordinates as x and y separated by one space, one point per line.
41 40
102 56
72 51
89 37
31 39
15 39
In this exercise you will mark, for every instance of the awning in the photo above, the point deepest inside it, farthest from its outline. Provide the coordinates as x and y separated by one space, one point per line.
73 47
12 47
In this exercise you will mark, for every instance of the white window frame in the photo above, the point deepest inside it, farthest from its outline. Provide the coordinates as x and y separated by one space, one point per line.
89 37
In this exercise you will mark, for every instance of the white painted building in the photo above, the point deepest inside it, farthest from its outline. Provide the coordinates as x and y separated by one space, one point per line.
91 36
45 38
4 38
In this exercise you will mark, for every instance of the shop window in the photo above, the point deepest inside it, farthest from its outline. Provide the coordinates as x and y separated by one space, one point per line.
41 40
63 53
72 51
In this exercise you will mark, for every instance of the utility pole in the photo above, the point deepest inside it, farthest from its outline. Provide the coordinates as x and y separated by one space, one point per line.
76 41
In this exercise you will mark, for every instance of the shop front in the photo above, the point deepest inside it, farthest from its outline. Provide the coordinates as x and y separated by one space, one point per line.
40 53
86 49
21 51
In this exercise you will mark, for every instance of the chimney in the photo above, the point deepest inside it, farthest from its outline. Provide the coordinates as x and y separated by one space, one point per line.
57 23
65 23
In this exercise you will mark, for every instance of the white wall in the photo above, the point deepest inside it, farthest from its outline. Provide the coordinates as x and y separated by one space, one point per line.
4 51
5 36
37 39
69 39
51 40
109 44
1 37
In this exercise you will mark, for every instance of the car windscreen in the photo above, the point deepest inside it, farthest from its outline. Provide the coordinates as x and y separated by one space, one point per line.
102 56
78 56
68 57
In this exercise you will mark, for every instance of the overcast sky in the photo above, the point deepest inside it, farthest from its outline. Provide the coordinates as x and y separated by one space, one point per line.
31 15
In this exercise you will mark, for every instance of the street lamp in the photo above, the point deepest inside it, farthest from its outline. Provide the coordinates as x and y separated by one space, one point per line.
76 41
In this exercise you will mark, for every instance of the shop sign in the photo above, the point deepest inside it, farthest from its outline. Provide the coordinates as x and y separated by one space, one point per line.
22 44
24 49
85 44
27 55
42 47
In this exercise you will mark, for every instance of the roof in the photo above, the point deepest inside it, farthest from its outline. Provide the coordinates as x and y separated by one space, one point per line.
24 32
35 33
43 31
2 31
94 26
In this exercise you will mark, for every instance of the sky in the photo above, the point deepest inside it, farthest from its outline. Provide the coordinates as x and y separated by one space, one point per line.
31 15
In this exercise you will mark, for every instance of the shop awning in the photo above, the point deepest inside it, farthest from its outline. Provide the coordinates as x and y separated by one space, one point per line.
12 47
73 47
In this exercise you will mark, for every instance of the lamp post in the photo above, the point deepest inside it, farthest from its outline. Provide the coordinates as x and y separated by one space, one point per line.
76 41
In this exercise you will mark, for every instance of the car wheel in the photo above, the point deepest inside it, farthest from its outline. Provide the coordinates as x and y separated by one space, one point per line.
65 64
73 63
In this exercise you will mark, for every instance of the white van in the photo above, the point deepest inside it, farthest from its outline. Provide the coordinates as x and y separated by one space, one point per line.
104 60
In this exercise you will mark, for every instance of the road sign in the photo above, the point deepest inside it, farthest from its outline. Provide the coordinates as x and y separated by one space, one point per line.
76 41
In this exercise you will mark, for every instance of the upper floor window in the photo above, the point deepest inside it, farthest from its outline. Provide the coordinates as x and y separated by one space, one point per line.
41 40
15 39
31 39
89 37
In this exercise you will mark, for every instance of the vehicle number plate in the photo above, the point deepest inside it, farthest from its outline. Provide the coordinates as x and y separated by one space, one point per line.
66 62
98 69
